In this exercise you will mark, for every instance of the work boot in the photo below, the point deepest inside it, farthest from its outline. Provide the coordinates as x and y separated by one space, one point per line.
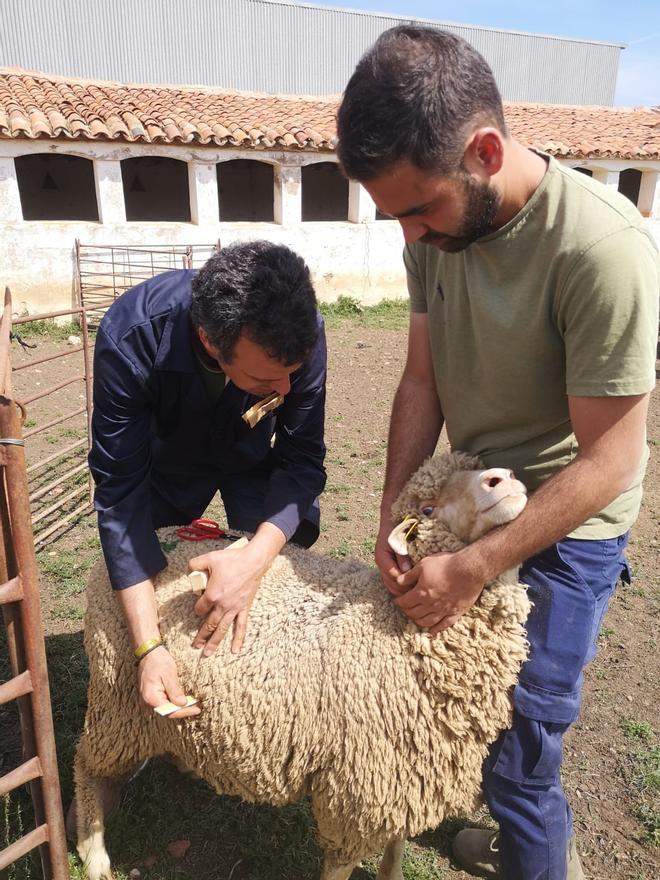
477 851
573 867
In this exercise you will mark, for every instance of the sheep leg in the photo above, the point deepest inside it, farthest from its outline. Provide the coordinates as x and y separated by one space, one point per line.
390 864
94 794
337 872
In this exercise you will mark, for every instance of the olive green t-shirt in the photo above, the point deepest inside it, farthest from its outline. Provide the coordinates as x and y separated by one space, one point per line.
562 300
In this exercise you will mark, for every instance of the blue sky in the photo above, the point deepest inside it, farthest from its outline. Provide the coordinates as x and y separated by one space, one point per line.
633 22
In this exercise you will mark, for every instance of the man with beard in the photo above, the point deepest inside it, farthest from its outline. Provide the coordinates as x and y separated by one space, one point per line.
533 296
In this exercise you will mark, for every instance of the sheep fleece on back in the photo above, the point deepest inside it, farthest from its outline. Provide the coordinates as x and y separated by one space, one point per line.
335 695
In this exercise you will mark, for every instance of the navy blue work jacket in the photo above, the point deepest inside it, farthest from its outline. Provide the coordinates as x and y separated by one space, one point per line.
158 441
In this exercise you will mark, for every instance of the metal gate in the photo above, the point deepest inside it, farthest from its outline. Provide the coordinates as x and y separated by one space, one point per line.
104 272
21 610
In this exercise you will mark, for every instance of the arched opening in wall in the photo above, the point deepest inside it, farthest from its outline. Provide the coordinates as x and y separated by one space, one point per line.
630 181
245 191
156 188
324 192
587 171
54 186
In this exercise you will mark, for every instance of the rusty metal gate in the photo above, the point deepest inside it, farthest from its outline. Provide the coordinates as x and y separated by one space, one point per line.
104 272
21 609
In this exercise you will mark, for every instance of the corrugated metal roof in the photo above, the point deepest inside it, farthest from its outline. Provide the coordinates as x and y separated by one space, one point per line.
273 46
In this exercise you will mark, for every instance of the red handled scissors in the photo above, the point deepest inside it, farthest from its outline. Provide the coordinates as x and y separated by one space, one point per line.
205 530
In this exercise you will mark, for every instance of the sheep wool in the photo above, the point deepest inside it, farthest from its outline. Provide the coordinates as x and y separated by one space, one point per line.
335 695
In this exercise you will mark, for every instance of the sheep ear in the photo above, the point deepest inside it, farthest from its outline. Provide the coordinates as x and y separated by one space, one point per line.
397 539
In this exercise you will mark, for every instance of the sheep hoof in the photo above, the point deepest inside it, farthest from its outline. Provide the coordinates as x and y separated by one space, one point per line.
96 861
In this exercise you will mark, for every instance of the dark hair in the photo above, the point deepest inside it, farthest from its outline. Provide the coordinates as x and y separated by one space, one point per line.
261 289
416 94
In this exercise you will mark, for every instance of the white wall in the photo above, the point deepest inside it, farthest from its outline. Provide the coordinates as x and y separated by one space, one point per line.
361 259
358 260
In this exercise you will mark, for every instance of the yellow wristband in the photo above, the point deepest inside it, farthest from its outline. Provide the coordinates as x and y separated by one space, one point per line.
147 646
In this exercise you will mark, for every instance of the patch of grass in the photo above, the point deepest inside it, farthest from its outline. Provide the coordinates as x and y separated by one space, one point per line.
418 864
47 329
640 730
388 314
66 569
63 611
642 773
339 488
339 552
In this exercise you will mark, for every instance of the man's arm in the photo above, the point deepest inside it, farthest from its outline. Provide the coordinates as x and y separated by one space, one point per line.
298 476
610 432
415 426
157 676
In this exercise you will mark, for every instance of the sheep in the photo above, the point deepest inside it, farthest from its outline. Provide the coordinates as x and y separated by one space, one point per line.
335 696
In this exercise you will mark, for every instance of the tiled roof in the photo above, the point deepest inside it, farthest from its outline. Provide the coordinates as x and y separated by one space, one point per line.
35 105
587 132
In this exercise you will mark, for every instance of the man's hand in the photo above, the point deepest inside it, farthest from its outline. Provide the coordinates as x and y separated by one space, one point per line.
234 576
158 682
391 565
440 589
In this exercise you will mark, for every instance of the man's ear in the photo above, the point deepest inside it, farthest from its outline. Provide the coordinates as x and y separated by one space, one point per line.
484 153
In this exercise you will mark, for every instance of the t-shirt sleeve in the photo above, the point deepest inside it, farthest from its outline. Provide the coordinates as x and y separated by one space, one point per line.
608 317
416 290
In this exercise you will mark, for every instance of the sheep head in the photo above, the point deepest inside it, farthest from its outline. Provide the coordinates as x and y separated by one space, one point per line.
451 501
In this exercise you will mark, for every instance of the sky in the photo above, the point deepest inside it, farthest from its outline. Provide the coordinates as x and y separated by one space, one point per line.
635 23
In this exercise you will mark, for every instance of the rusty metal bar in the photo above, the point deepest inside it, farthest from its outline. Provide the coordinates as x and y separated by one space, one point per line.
26 772
49 357
42 316
44 461
44 490
60 503
12 591
51 390
23 845
16 687
58 421
87 363
25 636
40 537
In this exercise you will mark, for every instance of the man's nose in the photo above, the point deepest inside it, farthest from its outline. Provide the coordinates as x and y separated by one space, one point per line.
283 385
413 230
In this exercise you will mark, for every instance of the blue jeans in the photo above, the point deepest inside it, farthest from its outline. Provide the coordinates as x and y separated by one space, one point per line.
570 585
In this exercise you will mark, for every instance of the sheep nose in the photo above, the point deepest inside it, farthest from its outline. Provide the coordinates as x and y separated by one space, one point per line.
493 477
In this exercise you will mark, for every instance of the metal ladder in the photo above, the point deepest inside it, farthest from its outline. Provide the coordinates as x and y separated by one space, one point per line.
21 609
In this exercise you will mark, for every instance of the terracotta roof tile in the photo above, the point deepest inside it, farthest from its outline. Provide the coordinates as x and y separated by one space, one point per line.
35 105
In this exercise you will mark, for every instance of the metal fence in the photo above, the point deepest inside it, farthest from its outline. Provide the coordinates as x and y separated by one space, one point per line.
104 272
21 612
60 485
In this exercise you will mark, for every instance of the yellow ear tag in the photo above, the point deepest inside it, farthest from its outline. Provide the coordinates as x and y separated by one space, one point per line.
412 529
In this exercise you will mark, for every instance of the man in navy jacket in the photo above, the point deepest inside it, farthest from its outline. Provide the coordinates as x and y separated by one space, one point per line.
178 360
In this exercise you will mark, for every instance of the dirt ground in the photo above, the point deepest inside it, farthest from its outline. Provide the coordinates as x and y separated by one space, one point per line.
611 767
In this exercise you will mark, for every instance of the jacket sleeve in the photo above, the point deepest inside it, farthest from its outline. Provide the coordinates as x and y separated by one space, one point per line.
120 461
299 476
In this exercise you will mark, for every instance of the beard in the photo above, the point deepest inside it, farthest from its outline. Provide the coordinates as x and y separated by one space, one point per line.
481 206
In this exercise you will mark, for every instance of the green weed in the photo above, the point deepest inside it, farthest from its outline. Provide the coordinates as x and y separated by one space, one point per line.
67 570
388 314
642 772
47 329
